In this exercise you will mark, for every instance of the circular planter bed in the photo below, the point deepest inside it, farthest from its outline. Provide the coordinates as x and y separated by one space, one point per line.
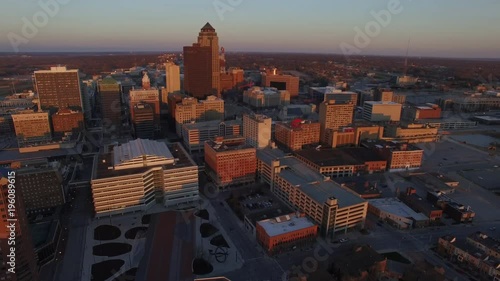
136 232
106 233
111 249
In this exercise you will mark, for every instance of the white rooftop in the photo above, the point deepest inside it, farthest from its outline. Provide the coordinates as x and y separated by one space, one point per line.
284 224
141 148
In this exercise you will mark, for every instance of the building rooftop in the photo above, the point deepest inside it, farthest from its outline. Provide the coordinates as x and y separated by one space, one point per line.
339 156
285 224
268 213
104 166
13 155
258 117
139 148
392 145
210 124
229 143
316 185
395 206
268 155
382 103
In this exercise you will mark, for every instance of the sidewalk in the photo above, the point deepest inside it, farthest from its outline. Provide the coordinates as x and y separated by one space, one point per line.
234 259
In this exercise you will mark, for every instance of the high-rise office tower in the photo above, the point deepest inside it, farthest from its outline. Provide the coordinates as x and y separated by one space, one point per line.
202 65
144 122
111 105
257 130
59 88
173 78
333 116
25 263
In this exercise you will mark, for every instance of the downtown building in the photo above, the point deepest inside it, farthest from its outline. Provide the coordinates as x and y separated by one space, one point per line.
257 130
66 121
136 175
333 115
192 110
194 135
32 128
272 79
172 79
202 65
332 93
25 259
333 208
280 234
110 96
353 135
60 88
342 162
382 111
258 97
230 161
298 133
146 95
399 156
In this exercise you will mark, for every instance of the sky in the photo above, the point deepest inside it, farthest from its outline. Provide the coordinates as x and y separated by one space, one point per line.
444 28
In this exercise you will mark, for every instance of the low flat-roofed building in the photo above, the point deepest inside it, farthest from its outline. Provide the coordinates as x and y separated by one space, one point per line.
364 188
419 204
250 220
282 82
397 213
329 205
411 133
455 210
230 161
342 162
437 182
399 156
133 176
279 234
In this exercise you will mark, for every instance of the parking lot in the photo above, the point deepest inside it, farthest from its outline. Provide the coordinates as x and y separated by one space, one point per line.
255 201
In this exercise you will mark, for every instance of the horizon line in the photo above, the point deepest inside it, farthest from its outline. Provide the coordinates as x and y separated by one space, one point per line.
11 53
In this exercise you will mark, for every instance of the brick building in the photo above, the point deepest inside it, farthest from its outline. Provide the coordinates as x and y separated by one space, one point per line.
294 135
277 235
281 82
419 204
230 161
66 121
399 156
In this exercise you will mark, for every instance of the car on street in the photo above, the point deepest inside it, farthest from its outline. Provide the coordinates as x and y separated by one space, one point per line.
343 240
493 228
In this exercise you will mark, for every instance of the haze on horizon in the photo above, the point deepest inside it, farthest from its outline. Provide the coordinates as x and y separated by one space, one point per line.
460 28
